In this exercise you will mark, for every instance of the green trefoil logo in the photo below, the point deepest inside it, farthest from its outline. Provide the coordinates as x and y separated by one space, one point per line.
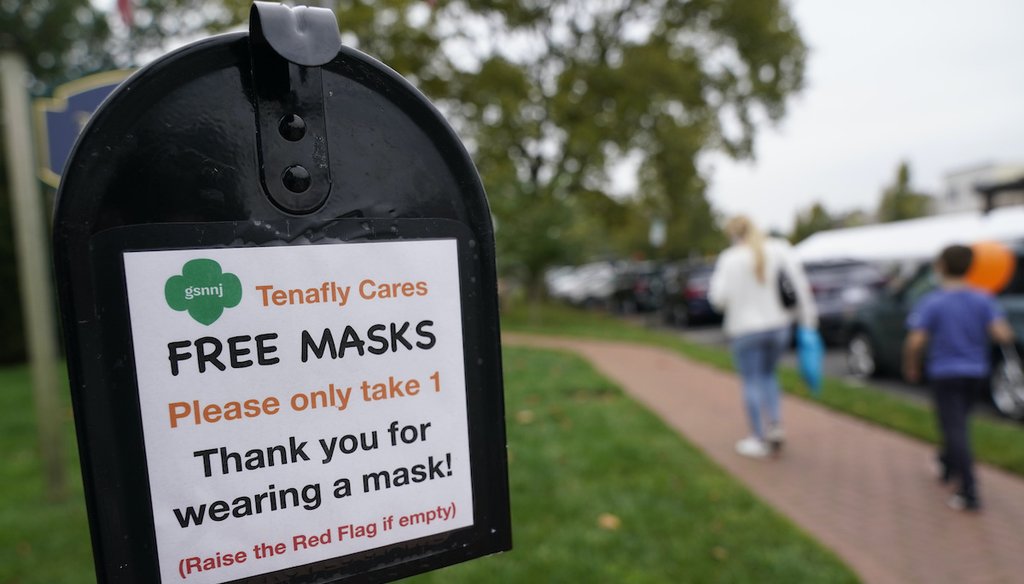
204 290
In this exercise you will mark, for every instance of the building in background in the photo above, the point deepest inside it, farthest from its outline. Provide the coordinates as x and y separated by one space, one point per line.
981 188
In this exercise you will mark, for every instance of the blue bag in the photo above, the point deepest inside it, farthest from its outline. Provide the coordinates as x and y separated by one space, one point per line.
810 352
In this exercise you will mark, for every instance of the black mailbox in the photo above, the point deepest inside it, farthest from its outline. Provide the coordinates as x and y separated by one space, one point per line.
276 271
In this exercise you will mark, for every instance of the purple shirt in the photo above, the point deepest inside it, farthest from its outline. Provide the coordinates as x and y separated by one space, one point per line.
957 323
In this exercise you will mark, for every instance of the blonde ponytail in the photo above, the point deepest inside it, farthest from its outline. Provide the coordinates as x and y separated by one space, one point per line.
741 228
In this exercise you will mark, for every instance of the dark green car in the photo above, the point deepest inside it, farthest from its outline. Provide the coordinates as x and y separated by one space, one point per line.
875 336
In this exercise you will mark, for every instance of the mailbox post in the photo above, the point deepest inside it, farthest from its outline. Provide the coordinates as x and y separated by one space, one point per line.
276 271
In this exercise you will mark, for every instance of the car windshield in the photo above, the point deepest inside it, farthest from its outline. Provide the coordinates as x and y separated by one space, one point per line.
701 275
848 271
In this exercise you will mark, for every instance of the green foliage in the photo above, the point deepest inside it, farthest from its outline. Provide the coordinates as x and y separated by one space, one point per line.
550 97
63 40
816 218
811 221
588 86
855 218
900 202
60 39
40 540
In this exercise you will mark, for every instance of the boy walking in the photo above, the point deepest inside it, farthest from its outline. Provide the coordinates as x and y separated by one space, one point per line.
957 324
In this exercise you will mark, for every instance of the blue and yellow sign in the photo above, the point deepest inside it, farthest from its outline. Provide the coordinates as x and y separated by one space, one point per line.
60 119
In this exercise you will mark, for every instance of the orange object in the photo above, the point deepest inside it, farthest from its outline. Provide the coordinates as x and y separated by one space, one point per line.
992 267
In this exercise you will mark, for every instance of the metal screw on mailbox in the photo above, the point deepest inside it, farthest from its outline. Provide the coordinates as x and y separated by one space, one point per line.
292 128
296 179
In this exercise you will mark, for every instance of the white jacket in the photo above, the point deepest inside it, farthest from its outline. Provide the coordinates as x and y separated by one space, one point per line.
752 306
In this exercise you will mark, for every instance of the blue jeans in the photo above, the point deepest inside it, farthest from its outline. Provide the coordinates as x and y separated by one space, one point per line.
756 355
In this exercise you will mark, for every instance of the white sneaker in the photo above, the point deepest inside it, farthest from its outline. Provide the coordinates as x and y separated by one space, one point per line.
753 447
775 434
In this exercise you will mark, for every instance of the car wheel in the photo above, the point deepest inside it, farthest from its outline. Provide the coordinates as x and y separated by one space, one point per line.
671 313
860 357
1008 390
680 316
666 315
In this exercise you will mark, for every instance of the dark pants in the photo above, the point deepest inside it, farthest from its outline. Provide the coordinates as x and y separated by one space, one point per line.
953 399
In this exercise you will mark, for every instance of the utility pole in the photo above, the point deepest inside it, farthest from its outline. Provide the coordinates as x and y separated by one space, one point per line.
36 285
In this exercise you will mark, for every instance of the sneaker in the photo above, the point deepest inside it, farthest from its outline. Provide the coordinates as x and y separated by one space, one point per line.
775 436
960 502
753 447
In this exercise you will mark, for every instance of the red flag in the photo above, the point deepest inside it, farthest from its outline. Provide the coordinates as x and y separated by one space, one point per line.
125 8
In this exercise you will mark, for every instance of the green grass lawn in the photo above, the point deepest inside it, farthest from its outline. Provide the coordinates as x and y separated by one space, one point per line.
997 442
40 541
602 491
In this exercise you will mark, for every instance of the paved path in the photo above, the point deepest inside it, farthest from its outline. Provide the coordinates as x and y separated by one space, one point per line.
863 491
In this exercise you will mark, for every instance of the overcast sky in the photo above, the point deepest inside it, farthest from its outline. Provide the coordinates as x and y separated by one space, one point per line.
939 83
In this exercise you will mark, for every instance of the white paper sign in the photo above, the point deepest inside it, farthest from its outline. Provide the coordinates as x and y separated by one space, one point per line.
299 403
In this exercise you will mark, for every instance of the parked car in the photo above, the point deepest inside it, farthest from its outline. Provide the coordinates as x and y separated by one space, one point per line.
560 282
639 287
840 288
686 295
592 285
876 333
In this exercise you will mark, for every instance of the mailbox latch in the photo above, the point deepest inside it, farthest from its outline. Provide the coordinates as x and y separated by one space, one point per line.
288 47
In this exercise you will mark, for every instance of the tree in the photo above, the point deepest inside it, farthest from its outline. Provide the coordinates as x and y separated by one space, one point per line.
560 93
900 201
855 218
67 39
60 39
811 221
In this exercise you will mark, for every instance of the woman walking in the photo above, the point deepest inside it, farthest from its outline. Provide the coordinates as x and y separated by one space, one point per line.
745 286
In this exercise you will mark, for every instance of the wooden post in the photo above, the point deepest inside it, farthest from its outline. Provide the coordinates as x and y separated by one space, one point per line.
32 247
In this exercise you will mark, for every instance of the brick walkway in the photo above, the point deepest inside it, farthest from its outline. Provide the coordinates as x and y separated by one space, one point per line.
863 491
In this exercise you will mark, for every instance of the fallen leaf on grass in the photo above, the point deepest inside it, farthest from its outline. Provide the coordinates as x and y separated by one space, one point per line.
525 416
609 522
